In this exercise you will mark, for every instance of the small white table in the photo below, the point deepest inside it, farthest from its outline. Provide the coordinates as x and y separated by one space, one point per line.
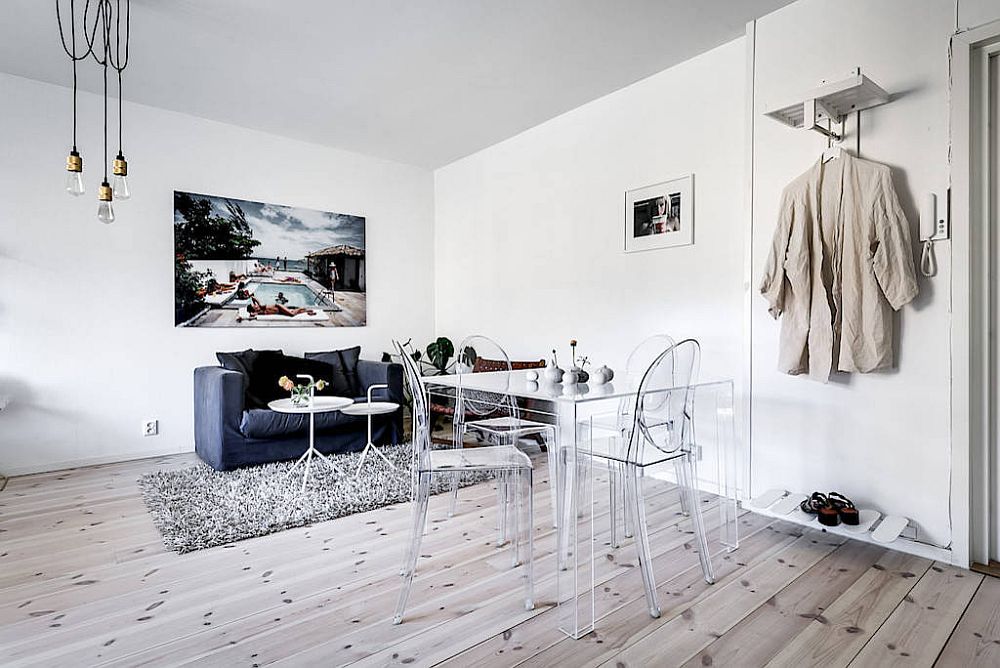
317 405
369 409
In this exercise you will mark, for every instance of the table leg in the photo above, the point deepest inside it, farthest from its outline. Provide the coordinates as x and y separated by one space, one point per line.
370 446
298 462
312 448
728 465
575 563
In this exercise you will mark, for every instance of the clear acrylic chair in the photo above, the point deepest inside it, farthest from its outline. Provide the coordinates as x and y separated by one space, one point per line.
638 362
661 430
511 466
494 416
620 422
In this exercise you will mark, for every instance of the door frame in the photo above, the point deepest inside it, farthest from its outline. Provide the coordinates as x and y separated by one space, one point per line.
971 390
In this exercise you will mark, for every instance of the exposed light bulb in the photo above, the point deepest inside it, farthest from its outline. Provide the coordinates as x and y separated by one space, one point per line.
74 184
74 174
105 211
120 188
120 180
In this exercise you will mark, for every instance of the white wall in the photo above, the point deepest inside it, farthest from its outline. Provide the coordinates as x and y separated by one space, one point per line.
529 232
87 343
882 438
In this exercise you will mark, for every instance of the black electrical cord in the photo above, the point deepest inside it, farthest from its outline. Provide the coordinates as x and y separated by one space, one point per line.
72 23
102 19
90 41
107 52
118 62
71 50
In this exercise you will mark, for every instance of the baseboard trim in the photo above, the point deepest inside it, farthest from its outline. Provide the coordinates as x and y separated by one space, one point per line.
13 472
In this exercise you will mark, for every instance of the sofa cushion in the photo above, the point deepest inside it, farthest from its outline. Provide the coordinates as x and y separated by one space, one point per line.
269 366
243 361
345 370
264 423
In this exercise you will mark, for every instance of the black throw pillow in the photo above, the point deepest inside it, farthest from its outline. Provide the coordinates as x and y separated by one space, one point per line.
345 370
269 366
243 361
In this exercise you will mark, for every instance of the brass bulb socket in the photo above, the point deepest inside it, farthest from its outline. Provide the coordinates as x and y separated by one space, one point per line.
104 193
74 163
120 167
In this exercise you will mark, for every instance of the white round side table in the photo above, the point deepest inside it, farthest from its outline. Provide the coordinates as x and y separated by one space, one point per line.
317 405
369 409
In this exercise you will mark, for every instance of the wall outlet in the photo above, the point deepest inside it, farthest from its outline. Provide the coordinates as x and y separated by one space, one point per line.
150 427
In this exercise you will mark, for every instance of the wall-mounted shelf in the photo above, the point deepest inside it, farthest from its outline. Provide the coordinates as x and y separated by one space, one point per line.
831 102
770 504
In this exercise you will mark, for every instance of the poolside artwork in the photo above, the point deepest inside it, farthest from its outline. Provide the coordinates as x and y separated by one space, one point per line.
240 263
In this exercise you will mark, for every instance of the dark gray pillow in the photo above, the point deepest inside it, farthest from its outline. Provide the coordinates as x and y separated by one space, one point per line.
345 370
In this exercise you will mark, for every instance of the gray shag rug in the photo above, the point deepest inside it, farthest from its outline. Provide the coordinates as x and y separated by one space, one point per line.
199 507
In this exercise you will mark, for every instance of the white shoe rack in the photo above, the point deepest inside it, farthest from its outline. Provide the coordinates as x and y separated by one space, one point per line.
874 527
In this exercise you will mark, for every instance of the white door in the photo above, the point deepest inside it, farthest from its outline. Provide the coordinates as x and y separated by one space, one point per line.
993 149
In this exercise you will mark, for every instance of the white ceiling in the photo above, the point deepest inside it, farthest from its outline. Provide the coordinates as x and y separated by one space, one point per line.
418 81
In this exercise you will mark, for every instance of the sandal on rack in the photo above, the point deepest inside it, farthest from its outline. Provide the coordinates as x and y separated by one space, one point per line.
819 505
845 509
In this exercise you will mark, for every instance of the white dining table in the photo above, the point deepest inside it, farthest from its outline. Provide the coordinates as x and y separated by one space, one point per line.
576 412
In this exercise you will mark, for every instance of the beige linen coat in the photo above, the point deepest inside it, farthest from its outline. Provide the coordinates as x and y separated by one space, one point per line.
840 263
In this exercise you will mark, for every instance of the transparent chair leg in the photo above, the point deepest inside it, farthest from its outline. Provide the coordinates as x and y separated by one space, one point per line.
404 569
690 474
501 508
458 437
528 525
419 517
637 506
678 475
627 520
515 504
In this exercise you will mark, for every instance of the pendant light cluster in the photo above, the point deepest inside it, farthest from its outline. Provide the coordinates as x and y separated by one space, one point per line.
105 33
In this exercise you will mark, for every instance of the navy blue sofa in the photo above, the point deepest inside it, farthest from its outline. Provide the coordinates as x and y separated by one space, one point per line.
227 436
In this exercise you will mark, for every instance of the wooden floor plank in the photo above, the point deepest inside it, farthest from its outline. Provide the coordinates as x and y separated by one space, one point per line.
80 563
686 635
630 622
763 633
535 635
852 619
917 630
976 639
490 594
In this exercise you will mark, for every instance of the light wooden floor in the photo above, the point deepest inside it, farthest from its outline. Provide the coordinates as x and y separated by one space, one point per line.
84 580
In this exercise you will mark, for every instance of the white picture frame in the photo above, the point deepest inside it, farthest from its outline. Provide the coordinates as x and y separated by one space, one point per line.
660 215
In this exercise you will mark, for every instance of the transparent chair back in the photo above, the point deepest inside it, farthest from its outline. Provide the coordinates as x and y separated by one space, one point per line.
479 354
636 366
420 414
663 414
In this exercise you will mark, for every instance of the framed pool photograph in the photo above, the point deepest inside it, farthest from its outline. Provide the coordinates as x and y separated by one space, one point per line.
240 263
660 215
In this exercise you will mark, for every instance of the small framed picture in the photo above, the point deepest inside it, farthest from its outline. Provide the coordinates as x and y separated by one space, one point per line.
660 216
